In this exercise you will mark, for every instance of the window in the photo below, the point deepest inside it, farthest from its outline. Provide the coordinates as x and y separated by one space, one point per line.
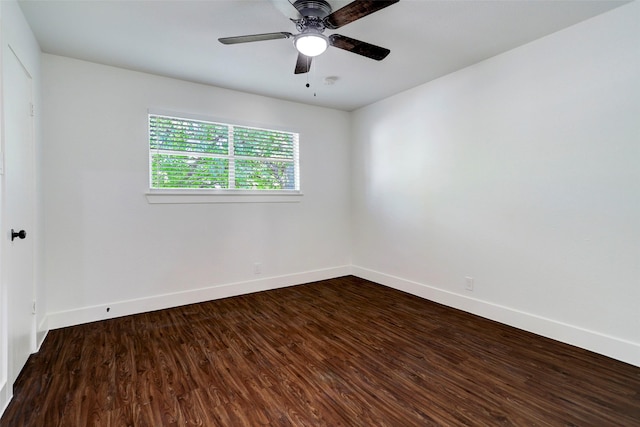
202 155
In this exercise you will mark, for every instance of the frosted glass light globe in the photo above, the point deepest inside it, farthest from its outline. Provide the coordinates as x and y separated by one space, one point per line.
311 44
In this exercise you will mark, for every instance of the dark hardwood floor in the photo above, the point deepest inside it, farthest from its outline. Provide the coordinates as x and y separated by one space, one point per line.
341 352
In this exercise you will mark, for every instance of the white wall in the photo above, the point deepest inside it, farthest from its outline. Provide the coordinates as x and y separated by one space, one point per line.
523 172
108 247
16 36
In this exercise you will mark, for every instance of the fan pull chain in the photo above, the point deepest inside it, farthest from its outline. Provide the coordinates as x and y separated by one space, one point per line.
311 69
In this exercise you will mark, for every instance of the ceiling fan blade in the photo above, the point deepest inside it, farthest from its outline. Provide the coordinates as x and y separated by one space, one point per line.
355 10
356 46
254 38
303 64
286 8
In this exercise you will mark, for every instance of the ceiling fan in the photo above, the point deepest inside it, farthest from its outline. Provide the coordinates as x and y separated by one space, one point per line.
311 18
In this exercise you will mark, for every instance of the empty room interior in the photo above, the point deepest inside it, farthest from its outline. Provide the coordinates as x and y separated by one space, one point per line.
432 220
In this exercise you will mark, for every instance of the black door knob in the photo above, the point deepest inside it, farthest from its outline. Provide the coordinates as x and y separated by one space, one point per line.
21 234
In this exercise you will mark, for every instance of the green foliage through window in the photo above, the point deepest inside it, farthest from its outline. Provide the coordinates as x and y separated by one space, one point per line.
196 154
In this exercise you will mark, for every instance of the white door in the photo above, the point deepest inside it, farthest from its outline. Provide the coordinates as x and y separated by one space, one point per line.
19 204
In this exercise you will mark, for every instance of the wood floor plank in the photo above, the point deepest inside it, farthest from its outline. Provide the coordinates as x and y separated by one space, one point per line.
340 352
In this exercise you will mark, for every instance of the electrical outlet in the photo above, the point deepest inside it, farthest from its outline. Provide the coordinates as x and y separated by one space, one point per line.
257 268
468 283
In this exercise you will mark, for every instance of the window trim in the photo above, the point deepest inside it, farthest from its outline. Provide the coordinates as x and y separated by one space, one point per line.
161 196
230 195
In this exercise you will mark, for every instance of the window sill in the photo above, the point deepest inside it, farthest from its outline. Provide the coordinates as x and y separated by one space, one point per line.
226 196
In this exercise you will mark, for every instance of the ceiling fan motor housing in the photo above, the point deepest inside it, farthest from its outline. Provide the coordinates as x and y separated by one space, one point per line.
313 8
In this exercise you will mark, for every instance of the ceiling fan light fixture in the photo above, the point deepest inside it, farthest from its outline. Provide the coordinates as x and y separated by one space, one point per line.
311 44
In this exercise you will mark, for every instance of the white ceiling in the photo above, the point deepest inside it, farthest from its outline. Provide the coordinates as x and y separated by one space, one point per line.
179 39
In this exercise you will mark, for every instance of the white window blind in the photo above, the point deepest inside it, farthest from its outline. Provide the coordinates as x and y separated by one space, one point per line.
195 154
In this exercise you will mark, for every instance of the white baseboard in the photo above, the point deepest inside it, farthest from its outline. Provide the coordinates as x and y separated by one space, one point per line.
82 315
613 347
5 396
41 332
